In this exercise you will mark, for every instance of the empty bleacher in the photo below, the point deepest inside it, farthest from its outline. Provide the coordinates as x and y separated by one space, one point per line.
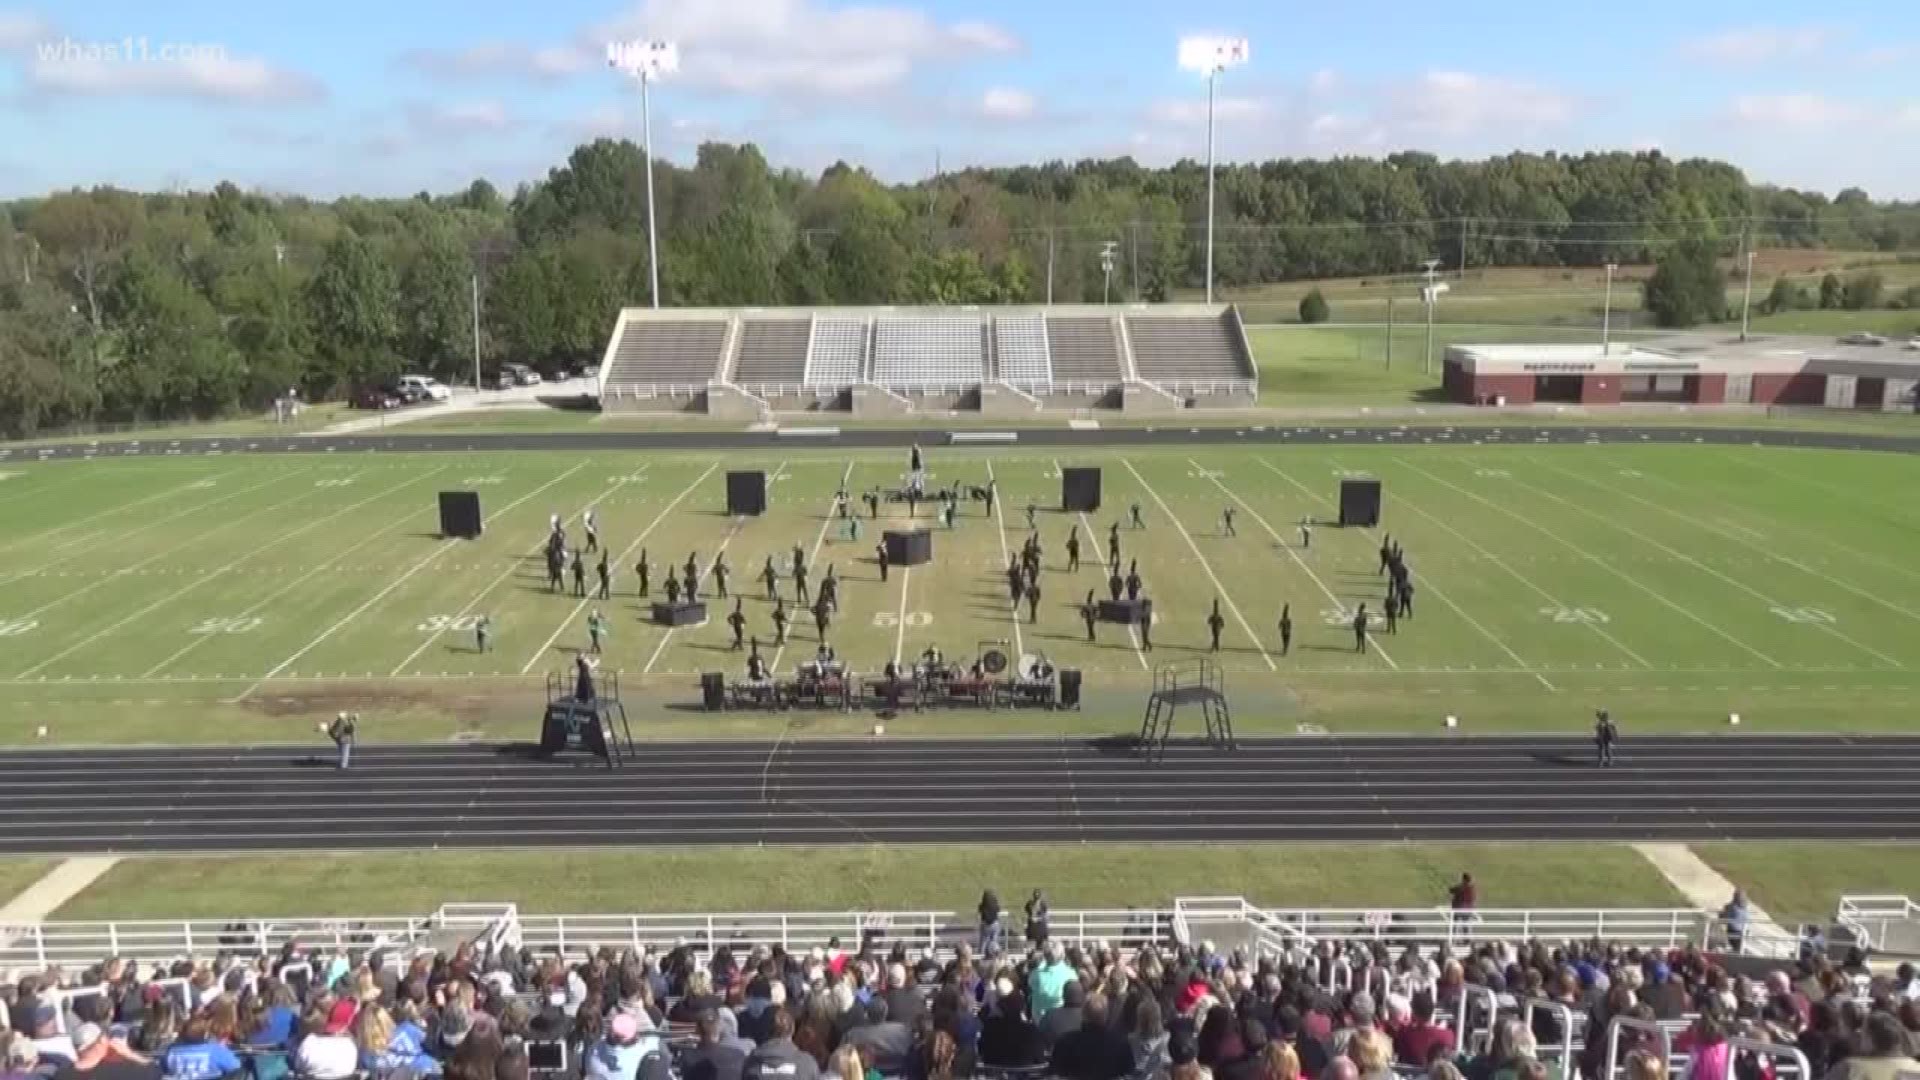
667 352
1020 346
1083 350
929 351
1188 350
838 354
773 352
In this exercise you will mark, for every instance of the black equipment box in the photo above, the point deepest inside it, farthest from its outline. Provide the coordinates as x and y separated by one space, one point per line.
746 493
1080 490
460 514
1130 612
683 613
1359 503
908 547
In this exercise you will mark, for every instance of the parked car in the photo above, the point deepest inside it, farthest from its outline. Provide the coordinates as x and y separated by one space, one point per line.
375 397
1913 344
522 374
504 380
586 369
1861 337
427 387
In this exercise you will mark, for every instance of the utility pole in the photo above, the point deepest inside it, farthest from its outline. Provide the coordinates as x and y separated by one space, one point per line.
1606 310
1389 331
476 331
1133 256
1049 265
1746 300
1465 224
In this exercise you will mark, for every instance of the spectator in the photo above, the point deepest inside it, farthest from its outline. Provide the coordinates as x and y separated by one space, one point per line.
100 1057
992 935
1642 1065
456 1025
274 1023
1095 1051
814 1030
1250 1065
905 1002
844 1064
1360 1021
327 1053
1148 1041
699 998
1065 1020
936 1058
199 1055
621 1051
1463 897
1736 916
884 1043
20 1059
1712 1058
1009 1039
1444 1069
1422 1040
756 1016
1183 1050
1886 1053
1039 916
1046 987
1219 1038
1372 1054
1341 1068
711 1059
778 1058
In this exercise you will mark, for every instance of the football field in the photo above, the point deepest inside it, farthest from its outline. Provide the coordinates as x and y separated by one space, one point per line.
242 598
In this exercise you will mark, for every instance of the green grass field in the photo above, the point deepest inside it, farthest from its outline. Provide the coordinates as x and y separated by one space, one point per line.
229 599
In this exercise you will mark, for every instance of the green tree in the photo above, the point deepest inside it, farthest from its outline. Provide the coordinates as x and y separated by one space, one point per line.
1862 291
1784 296
1687 287
1314 309
434 314
86 233
352 308
1831 291
175 359
520 310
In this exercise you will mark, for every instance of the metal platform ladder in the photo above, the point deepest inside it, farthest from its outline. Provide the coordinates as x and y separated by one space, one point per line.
1186 682
603 710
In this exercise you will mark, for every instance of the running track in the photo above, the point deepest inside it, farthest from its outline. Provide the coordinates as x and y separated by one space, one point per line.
1007 790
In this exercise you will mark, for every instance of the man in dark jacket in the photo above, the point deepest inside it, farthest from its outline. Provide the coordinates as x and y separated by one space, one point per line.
1008 1039
711 1059
884 1043
778 1058
1096 1051
1065 1020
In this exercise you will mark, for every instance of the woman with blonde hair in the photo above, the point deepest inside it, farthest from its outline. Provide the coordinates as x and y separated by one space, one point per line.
1372 1054
1642 1065
845 1064
1279 1061
1444 1069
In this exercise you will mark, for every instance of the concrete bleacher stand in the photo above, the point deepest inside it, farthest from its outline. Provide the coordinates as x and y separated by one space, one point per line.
742 363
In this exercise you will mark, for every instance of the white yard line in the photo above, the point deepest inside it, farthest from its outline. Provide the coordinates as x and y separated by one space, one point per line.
1741 540
195 485
430 559
1093 538
83 549
1280 542
212 574
512 568
1220 590
661 646
1006 558
202 639
813 557
1515 574
1703 567
900 621
637 541
1592 558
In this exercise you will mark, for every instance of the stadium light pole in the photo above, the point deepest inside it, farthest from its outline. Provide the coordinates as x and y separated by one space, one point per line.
1107 250
1746 299
646 61
1211 56
1606 310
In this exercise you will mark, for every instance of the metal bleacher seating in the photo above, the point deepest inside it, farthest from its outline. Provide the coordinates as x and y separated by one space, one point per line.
1083 349
1185 350
837 354
668 352
1020 343
928 351
773 352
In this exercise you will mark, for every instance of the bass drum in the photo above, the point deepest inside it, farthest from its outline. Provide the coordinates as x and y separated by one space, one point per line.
993 662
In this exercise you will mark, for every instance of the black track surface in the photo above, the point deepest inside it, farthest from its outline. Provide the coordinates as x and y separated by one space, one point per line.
1003 790
875 438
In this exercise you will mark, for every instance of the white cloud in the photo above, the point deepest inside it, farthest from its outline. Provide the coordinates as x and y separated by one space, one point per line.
204 76
1889 55
1459 103
22 30
459 120
1006 103
1760 44
1324 81
1794 111
501 60
1188 112
805 47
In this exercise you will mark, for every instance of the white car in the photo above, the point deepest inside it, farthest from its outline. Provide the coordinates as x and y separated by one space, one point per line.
1861 337
1913 344
429 388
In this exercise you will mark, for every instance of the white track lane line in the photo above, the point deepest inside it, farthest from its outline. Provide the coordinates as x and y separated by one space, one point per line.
1339 605
250 609
432 557
622 558
1592 558
812 557
513 567
1219 589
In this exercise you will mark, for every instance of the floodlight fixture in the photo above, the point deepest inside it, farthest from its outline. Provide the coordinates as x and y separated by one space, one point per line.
646 60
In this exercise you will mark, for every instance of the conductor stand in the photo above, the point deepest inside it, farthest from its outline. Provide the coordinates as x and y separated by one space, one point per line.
584 713
1186 682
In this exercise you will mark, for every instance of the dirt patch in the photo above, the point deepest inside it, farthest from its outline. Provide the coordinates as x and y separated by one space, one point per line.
466 706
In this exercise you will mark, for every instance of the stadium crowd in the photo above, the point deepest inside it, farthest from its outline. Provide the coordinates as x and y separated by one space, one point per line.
1159 1012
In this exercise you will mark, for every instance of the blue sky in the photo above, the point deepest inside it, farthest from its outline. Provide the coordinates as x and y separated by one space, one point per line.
386 98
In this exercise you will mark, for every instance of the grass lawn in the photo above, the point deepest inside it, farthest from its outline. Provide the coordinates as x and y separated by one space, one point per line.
897 877
312 418
17 874
239 599
1804 881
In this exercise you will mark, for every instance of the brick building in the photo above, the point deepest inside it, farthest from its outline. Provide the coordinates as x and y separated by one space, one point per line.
1689 370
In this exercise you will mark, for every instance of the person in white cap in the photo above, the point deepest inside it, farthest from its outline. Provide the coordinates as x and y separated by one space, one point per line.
342 732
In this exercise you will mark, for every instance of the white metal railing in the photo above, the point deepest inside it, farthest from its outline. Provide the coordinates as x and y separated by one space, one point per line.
1869 916
1663 927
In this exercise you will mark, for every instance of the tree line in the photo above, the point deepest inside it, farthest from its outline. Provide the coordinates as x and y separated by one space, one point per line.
118 305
